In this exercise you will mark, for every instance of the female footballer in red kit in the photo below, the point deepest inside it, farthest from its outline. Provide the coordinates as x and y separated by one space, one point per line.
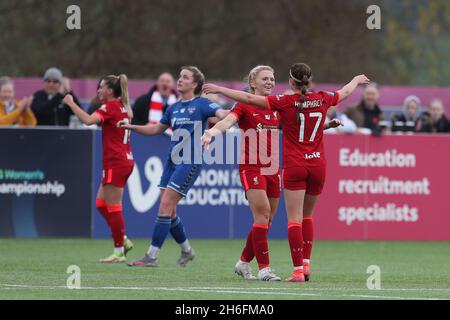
118 160
262 191
304 165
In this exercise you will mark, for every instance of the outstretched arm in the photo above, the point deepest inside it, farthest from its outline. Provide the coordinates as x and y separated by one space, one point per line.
147 130
80 113
348 89
236 95
218 129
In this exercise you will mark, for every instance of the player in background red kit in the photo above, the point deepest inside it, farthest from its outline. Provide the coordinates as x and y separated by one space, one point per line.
304 166
118 160
262 187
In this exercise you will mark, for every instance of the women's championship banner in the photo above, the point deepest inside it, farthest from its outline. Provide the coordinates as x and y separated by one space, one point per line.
45 183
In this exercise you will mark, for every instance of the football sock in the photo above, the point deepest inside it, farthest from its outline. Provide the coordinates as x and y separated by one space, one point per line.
295 238
153 252
160 231
179 234
102 208
248 253
308 237
260 245
117 224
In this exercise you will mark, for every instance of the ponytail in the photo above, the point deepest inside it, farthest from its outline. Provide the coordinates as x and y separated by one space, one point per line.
301 74
124 96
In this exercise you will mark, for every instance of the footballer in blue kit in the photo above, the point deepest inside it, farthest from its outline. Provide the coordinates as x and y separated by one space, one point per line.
188 119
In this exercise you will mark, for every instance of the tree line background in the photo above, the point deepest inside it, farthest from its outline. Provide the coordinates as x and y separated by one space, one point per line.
225 38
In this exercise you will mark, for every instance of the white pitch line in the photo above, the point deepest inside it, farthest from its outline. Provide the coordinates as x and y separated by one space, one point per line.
219 290
10 286
304 288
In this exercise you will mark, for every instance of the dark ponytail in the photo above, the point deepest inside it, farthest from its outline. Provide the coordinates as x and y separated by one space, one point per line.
301 75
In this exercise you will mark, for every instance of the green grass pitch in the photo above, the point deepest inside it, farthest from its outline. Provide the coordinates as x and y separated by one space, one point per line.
36 269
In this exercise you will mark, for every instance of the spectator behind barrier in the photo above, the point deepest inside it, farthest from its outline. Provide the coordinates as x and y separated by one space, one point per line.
367 114
348 127
13 112
47 105
150 107
434 120
408 119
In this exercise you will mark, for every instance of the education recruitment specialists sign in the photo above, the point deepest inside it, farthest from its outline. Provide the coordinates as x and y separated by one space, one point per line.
385 188
45 183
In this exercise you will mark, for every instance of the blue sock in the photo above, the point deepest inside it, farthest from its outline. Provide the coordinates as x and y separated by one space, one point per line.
177 230
160 231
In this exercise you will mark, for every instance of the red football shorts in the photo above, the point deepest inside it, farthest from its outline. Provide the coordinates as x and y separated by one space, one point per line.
117 176
253 179
311 179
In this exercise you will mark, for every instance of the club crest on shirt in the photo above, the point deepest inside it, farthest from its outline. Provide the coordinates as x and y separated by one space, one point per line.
191 110
275 115
182 110
255 181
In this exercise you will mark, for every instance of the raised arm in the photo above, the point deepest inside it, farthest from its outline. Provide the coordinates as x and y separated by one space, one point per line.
219 128
236 95
348 89
147 130
80 113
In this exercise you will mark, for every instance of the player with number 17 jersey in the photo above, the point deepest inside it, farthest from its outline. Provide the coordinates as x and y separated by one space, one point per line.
304 163
118 160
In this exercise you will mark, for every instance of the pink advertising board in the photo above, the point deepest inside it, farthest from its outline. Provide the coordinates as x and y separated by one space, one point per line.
385 188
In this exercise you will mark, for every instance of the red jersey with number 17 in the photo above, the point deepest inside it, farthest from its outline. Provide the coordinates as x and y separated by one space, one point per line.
116 141
259 126
303 133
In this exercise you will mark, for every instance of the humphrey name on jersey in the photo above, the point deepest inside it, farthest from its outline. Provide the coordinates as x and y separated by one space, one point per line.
310 104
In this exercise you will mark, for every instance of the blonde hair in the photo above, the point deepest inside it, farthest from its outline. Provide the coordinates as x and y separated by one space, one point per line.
251 77
119 86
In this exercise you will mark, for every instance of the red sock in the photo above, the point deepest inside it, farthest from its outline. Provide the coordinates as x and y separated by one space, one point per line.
260 245
102 208
308 237
117 224
248 253
295 237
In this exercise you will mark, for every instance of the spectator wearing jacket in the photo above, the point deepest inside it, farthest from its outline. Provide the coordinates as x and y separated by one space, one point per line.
367 114
150 107
12 111
48 105
407 120
434 120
